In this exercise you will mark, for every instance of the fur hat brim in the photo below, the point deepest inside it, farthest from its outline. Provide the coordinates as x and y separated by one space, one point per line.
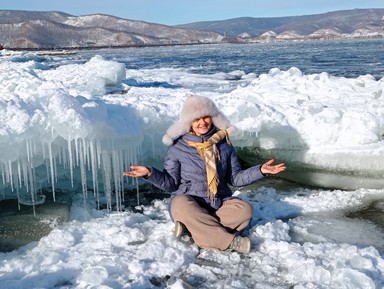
194 107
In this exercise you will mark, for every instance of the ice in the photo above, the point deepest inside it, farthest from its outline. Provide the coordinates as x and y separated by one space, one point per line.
54 118
75 127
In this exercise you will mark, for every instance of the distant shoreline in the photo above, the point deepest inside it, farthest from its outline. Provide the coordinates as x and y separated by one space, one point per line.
71 50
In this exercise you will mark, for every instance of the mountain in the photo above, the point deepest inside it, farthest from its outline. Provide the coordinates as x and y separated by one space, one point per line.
343 22
47 30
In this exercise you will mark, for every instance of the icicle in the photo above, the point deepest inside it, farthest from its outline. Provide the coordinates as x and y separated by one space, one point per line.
3 174
18 181
65 156
31 179
7 176
80 158
121 165
132 161
60 156
33 204
52 171
25 174
87 149
43 149
33 148
128 164
19 176
125 168
28 156
94 167
27 163
32 186
83 172
55 170
10 174
98 149
77 152
117 178
107 178
70 157
87 161
47 171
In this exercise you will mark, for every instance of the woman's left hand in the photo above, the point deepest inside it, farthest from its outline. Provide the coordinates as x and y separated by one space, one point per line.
269 169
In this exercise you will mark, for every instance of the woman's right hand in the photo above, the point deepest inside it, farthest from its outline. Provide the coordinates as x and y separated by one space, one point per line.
138 171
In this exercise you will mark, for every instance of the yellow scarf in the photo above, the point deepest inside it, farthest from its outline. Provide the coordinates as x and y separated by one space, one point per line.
209 153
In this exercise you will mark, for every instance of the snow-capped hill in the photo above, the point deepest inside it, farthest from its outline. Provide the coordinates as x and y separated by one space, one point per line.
368 33
141 27
345 22
289 35
49 30
244 35
98 20
43 31
269 34
325 34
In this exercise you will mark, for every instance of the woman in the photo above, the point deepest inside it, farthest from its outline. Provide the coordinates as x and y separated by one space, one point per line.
199 166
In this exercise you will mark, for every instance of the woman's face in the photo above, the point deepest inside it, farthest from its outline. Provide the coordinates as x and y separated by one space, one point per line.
202 125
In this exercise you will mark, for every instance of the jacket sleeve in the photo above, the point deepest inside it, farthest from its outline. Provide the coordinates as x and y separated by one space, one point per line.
169 178
238 177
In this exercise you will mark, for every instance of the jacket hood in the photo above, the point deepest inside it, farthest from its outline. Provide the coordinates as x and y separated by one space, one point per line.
194 107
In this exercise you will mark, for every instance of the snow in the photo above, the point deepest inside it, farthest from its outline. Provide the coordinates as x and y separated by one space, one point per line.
78 126
134 250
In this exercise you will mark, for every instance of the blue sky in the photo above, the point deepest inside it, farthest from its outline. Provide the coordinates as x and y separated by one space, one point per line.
171 12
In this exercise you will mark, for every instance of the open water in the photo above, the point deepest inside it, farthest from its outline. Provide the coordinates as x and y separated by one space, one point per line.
349 58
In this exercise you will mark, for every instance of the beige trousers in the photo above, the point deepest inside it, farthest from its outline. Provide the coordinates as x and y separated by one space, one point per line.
212 231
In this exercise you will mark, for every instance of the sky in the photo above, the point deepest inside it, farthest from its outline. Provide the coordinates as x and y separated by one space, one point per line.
173 12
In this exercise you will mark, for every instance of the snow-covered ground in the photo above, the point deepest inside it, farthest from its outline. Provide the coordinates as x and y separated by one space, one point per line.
301 239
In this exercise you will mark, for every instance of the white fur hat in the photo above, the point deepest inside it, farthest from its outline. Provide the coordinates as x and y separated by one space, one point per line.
194 107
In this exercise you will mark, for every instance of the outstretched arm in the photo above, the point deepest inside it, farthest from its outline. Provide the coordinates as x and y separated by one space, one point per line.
161 179
269 169
167 180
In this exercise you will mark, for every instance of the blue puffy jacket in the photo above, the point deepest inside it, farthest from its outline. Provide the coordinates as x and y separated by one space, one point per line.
185 171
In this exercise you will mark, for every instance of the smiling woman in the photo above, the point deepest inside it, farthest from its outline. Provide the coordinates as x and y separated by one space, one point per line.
199 166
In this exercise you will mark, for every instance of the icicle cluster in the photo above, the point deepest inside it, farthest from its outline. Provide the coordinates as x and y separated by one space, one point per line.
95 164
